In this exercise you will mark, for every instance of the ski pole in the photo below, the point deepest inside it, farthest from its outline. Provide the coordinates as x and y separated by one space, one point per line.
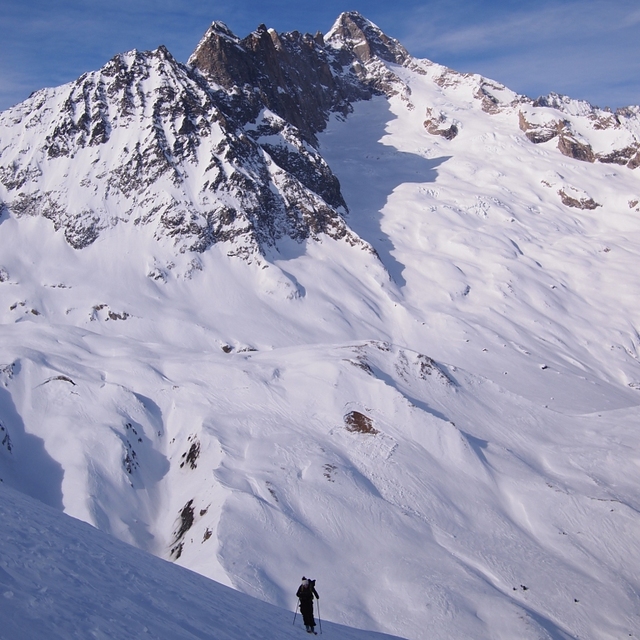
296 613
319 618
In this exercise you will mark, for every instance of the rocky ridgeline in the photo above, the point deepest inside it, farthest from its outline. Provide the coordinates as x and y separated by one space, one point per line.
300 77
582 131
224 149
579 130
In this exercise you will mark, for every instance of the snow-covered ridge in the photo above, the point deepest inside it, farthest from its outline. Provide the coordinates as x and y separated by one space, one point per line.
151 142
578 129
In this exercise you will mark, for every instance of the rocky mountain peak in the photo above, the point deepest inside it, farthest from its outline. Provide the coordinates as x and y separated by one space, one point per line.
364 39
294 75
301 77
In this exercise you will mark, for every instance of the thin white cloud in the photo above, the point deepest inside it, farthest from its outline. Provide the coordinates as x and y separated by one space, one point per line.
633 19
587 49
440 30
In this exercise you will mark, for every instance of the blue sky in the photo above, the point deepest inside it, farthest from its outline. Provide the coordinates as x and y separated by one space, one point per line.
587 49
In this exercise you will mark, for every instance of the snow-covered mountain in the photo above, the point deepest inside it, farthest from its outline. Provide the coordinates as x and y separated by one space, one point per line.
309 305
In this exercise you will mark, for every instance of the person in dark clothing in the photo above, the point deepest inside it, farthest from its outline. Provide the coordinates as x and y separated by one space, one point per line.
306 592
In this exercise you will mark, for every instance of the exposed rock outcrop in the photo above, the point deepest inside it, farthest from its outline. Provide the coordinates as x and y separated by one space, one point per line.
437 124
576 201
364 40
539 133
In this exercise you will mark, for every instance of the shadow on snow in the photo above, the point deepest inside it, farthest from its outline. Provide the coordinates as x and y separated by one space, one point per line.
369 171
27 467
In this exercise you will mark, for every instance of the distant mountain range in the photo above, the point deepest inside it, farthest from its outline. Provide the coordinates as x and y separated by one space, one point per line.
225 148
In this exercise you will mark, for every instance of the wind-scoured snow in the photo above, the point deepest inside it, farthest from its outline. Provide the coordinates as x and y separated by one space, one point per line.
436 418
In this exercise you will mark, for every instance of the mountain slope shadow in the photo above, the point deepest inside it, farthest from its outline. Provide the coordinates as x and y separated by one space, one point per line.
25 464
369 171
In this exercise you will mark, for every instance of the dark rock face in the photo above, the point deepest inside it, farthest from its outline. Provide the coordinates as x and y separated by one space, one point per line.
634 163
299 77
290 74
569 146
619 156
488 102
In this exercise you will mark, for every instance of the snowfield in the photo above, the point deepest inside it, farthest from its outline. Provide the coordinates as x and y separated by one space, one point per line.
439 423
62 579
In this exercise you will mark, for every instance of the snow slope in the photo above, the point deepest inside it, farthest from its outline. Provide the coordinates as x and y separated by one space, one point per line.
60 578
442 431
475 234
456 495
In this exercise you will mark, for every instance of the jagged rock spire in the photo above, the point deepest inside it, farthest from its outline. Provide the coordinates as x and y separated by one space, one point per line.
300 77
366 40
